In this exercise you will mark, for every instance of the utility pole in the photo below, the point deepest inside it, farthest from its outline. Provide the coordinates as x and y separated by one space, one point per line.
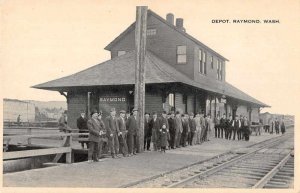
140 51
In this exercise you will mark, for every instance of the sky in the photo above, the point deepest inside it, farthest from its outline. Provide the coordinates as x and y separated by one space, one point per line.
43 40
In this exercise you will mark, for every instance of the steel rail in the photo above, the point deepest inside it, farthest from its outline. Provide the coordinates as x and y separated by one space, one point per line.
261 183
226 164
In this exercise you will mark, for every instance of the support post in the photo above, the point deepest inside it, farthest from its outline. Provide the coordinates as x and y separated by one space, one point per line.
140 50
215 107
88 105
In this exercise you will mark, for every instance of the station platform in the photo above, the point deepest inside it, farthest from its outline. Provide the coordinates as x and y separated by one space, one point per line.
114 173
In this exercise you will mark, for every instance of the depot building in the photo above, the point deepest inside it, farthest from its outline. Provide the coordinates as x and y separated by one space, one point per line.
181 74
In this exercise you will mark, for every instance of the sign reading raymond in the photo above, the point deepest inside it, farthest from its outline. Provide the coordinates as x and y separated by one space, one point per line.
112 99
108 102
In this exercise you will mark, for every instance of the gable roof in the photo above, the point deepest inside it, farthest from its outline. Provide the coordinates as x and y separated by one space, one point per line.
150 12
121 71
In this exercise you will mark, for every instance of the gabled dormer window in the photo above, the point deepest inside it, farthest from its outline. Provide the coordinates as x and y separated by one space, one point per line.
181 54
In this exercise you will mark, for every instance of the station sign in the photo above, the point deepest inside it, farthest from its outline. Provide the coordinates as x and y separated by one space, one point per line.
111 99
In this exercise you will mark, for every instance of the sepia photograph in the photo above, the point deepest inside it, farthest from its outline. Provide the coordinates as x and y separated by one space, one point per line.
149 94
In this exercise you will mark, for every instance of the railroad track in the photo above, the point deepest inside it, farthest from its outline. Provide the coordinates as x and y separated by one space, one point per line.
268 164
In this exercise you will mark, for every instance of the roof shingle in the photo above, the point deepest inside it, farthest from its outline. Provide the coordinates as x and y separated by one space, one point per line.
121 71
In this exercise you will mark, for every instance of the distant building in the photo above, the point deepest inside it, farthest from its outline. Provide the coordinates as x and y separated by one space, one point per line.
267 117
182 74
12 108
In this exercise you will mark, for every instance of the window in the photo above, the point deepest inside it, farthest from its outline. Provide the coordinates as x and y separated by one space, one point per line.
171 100
219 70
202 62
151 32
181 54
212 62
121 52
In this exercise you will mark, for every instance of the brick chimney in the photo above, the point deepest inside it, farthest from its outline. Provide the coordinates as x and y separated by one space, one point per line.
170 18
179 24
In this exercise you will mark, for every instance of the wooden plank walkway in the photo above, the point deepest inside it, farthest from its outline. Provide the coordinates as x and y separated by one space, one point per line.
111 173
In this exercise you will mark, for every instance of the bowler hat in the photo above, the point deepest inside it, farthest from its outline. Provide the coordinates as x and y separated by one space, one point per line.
135 109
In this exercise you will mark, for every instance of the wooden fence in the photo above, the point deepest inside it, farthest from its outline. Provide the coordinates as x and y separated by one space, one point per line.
66 146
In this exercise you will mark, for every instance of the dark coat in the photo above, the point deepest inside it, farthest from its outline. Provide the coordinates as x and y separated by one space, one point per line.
192 125
185 126
223 122
171 125
82 123
276 124
132 125
94 130
147 128
282 127
163 137
111 125
178 125
122 125
155 125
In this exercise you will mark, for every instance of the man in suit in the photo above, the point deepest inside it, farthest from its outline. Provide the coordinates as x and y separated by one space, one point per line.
147 132
94 137
223 126
240 130
172 130
192 125
203 127
82 126
164 121
185 129
112 133
229 127
132 138
102 133
154 125
178 129
122 137
236 125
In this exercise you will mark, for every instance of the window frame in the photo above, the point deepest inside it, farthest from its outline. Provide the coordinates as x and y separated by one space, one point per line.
121 51
212 62
180 54
200 61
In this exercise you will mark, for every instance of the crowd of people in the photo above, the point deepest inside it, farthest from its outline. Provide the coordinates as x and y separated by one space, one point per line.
164 131
275 125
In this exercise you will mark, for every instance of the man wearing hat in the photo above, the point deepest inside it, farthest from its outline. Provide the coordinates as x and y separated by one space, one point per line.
155 127
82 126
192 125
132 138
122 134
164 121
94 137
178 128
112 133
171 129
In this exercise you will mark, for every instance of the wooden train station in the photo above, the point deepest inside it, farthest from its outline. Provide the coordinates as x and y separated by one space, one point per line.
181 74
